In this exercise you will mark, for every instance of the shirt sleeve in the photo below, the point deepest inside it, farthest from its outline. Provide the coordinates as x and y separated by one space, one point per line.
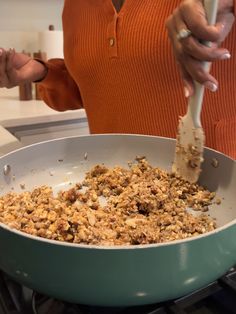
58 89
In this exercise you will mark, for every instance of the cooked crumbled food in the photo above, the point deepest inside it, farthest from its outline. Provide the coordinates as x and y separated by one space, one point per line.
215 163
113 206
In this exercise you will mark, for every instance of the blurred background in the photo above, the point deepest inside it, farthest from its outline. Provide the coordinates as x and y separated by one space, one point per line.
22 20
24 118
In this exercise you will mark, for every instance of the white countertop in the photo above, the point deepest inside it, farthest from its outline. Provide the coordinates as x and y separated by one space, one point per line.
14 112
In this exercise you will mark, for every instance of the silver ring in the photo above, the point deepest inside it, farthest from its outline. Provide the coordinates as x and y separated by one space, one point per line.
183 33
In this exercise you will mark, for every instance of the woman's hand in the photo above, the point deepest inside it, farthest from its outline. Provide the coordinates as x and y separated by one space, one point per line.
16 68
189 52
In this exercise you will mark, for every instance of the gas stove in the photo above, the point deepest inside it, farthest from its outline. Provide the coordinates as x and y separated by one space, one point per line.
219 297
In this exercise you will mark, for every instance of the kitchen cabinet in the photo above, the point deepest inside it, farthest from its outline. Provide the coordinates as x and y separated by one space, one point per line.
34 133
27 122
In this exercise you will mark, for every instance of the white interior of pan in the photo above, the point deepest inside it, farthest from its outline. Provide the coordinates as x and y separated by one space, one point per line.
61 163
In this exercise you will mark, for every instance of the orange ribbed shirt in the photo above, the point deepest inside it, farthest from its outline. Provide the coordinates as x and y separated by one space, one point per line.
121 69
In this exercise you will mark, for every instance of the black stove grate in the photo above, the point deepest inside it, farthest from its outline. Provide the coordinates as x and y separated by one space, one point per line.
218 297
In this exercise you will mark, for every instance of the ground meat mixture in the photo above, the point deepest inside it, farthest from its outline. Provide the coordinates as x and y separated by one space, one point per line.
139 204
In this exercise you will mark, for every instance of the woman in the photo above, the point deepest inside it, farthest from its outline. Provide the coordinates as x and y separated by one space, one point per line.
118 65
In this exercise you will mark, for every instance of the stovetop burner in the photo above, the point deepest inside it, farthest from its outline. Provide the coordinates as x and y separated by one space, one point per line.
218 297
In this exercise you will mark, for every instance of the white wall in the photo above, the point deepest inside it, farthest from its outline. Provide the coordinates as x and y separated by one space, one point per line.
21 20
29 15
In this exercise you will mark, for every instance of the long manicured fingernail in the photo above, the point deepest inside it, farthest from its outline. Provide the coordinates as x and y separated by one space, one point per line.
221 26
226 55
186 92
1 51
211 86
